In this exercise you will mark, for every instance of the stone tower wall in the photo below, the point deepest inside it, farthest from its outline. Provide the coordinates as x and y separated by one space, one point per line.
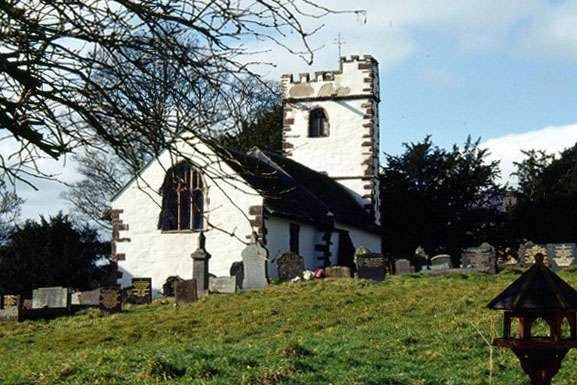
349 97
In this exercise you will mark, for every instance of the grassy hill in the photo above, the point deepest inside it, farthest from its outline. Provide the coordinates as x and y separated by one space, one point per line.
407 330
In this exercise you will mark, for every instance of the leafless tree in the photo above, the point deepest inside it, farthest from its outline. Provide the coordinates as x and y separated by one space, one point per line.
68 70
10 204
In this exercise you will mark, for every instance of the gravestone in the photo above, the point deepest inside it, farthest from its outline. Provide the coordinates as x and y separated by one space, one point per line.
563 255
110 300
402 266
338 271
51 297
254 258
168 286
420 258
222 285
10 314
527 253
10 300
237 270
27 303
140 292
441 262
482 257
290 265
371 266
185 291
200 266
86 298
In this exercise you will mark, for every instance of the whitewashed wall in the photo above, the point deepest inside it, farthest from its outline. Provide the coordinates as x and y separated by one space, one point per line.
277 242
156 254
360 238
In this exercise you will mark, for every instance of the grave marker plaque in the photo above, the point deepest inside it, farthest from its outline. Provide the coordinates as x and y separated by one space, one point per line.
338 271
371 266
482 257
51 297
110 300
528 251
290 265
9 301
222 285
141 292
563 255
185 291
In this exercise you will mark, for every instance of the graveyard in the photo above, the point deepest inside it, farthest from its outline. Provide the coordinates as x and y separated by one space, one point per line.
408 329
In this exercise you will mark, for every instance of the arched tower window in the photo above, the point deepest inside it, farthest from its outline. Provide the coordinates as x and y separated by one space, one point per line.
182 199
318 125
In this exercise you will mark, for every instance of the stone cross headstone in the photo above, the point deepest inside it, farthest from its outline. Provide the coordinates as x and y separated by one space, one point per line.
441 262
563 255
254 258
338 271
51 297
290 265
482 257
402 266
200 266
110 300
371 266
222 285
527 253
185 291
237 270
140 292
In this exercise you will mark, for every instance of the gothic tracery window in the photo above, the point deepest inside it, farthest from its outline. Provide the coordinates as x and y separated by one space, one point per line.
182 199
318 125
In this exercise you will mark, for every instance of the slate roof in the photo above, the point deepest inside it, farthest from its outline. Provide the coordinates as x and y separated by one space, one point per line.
538 288
292 190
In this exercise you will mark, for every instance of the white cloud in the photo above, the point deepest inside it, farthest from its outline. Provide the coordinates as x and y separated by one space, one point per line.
439 77
508 148
552 35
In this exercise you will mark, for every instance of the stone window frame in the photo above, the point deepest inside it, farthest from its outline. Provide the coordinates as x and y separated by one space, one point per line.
186 196
323 132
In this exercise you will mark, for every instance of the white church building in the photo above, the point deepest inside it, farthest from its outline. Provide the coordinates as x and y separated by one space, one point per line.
319 198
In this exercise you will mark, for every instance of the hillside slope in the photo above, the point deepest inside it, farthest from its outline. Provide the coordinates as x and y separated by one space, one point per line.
407 330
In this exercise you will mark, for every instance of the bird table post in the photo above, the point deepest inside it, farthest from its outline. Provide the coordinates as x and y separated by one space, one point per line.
538 294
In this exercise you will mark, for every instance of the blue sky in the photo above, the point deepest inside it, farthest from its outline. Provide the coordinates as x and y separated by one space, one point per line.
505 71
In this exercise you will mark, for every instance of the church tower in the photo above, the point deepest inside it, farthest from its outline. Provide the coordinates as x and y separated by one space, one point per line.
331 125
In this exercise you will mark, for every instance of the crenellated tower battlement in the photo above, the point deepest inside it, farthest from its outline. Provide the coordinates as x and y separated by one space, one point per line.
356 77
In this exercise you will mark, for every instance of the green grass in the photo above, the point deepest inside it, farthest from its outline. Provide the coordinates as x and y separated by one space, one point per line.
407 330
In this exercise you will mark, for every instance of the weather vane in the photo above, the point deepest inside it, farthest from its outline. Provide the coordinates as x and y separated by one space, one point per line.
339 42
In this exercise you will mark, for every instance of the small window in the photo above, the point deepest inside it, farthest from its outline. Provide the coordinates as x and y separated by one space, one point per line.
182 199
318 123
294 230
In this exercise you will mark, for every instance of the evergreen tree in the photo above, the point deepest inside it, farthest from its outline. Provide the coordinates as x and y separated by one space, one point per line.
441 200
53 252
